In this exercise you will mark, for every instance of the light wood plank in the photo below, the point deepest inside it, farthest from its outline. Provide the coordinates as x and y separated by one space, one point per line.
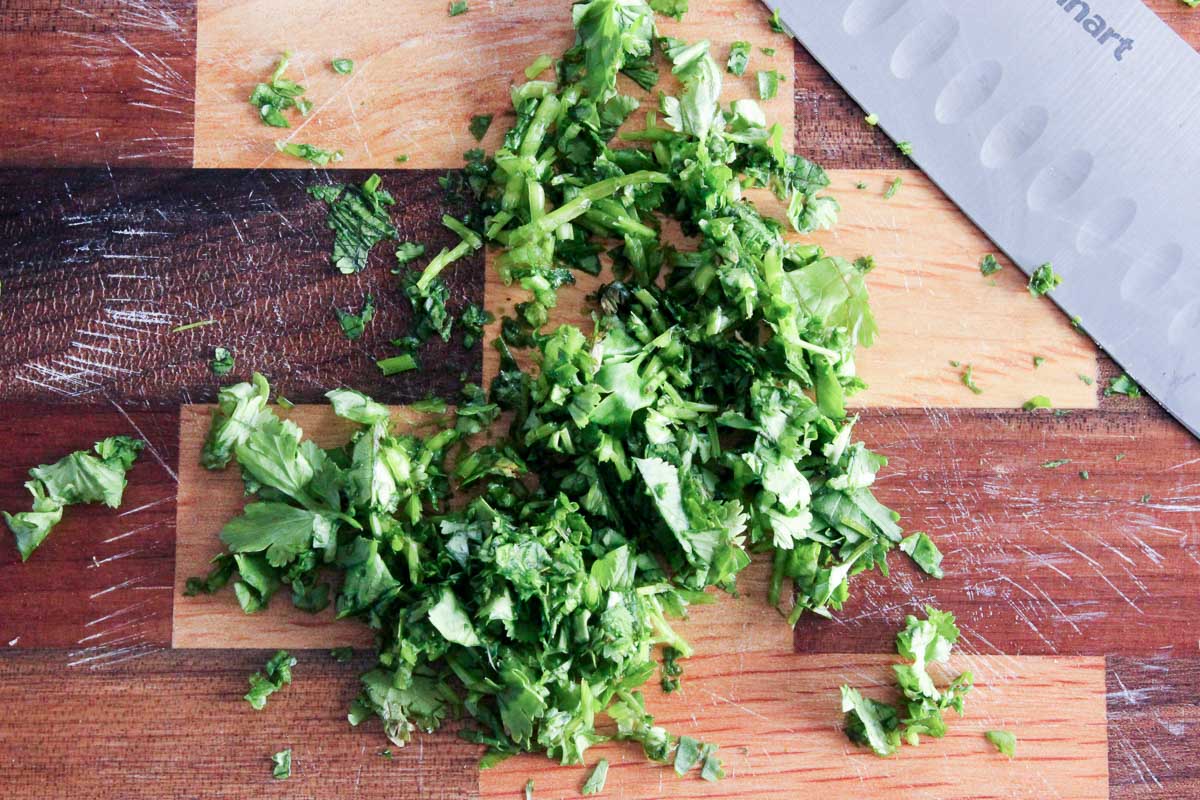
932 304
419 75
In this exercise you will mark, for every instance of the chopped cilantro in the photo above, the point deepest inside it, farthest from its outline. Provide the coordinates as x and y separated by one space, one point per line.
892 188
687 754
968 379
768 84
409 251
905 148
1122 384
78 478
883 727
988 265
777 24
1087 379
222 361
539 65
386 753
310 153
284 403
671 8
595 781
924 553
402 158
1119 456
275 675
193 325
282 761
1145 498
397 364
871 120
1083 473
458 7
671 669
1036 402
711 769
473 320
278 95
1038 361
1061 412
479 126
342 66
860 185
767 51
529 789
1056 463
354 325
359 219
1044 280
1004 741
739 58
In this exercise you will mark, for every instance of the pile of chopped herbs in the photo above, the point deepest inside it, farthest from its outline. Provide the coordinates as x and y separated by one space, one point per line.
521 558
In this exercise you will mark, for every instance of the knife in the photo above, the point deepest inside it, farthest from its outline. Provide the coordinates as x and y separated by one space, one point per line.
1068 131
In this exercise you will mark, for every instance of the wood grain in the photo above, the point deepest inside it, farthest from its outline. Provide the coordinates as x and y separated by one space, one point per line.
100 585
419 76
99 82
102 265
173 726
1153 720
931 302
1037 560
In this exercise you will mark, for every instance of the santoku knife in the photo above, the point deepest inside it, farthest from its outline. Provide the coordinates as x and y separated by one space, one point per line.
1069 131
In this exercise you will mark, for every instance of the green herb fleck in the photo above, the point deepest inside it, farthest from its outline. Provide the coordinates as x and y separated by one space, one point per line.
479 126
1119 456
892 188
1083 473
473 320
672 671
310 153
409 251
342 66
539 65
1122 384
278 95
739 58
282 762
397 364
905 148
1038 361
458 7
671 8
284 403
402 158
1145 498
777 24
924 553
222 361
988 265
860 185
595 781
768 84
767 51
1004 741
529 789
1036 402
711 769
968 379
1087 380
1056 463
872 120
1044 280
354 325
193 325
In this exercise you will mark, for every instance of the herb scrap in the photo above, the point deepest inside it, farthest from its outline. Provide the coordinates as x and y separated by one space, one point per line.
595 782
282 765
1124 385
1044 280
967 376
275 675
1003 741
458 7
1056 463
924 553
359 219
739 58
310 153
78 478
1036 402
278 95
988 265
342 66
479 126
768 84
892 188
222 361
354 325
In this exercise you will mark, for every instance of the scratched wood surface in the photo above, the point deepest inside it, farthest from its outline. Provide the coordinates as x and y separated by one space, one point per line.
1048 572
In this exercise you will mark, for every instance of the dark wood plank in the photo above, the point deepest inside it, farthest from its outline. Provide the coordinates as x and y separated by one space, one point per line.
1037 560
102 265
1153 721
98 82
101 583
830 127
173 726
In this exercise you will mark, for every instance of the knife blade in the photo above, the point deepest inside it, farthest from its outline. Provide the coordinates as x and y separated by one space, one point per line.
1068 131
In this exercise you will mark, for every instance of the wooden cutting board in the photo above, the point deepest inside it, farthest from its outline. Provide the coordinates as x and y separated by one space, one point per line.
139 193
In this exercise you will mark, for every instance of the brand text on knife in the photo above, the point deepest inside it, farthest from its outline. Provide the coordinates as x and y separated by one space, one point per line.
1097 27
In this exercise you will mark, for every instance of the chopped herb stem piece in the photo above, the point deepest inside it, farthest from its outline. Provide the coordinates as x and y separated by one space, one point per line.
397 364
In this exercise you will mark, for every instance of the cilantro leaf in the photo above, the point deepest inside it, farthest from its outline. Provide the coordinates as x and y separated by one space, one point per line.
892 188
473 320
458 7
1003 741
1036 402
595 782
310 153
479 125
671 8
342 66
359 219
988 265
282 761
354 325
275 675
924 553
79 477
222 362
277 95
739 58
1122 384
768 84
281 530
968 379
1044 280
